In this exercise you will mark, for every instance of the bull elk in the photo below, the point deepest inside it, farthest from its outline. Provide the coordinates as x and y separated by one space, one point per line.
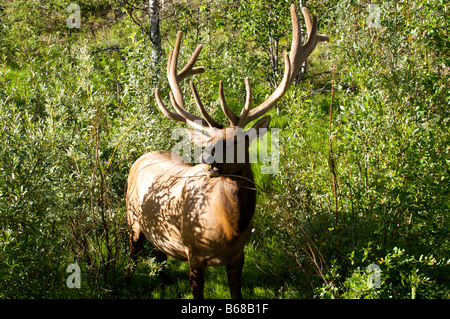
203 213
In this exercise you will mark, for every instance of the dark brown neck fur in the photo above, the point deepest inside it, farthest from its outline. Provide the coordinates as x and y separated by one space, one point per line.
239 194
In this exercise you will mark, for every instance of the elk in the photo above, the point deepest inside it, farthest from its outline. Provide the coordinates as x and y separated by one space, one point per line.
203 213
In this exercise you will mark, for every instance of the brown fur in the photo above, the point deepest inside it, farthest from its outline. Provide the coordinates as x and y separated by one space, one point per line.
189 215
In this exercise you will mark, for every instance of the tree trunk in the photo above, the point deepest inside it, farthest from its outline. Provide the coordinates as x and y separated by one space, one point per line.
155 36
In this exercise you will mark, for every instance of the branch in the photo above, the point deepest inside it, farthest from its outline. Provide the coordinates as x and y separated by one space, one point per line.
133 6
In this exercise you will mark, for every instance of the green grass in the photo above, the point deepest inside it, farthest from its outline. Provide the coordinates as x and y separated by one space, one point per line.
145 283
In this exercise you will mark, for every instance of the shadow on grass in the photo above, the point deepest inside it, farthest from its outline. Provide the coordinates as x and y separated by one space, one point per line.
255 283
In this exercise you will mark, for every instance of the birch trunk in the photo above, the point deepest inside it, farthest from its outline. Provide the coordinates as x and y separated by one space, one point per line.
155 36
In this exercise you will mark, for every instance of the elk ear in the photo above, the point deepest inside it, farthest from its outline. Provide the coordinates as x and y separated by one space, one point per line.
259 129
197 137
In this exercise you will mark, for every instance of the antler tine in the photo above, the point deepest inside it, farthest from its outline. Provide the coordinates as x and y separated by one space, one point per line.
202 110
188 69
195 122
165 111
293 62
191 119
273 99
309 26
248 103
234 119
176 96
172 62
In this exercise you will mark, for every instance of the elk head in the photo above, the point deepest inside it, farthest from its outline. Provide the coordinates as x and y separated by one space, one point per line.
226 148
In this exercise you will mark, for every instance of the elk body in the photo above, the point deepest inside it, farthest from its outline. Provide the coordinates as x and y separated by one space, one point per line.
203 213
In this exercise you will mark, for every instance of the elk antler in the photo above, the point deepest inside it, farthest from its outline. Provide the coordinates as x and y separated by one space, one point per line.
176 96
293 62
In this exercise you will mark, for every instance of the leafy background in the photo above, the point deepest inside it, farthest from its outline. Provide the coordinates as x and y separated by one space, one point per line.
364 171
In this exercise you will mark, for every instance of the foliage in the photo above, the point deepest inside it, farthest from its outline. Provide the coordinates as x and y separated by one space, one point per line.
385 150
364 146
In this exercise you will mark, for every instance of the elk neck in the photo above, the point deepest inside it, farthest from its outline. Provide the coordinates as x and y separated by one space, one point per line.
238 197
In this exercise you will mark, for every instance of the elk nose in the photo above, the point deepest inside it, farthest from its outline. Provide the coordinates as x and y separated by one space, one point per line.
208 157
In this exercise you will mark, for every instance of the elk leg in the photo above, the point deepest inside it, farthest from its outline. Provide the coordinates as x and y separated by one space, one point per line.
160 258
234 272
136 243
197 277
136 240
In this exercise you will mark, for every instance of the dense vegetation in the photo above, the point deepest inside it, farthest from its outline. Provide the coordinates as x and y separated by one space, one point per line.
363 178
